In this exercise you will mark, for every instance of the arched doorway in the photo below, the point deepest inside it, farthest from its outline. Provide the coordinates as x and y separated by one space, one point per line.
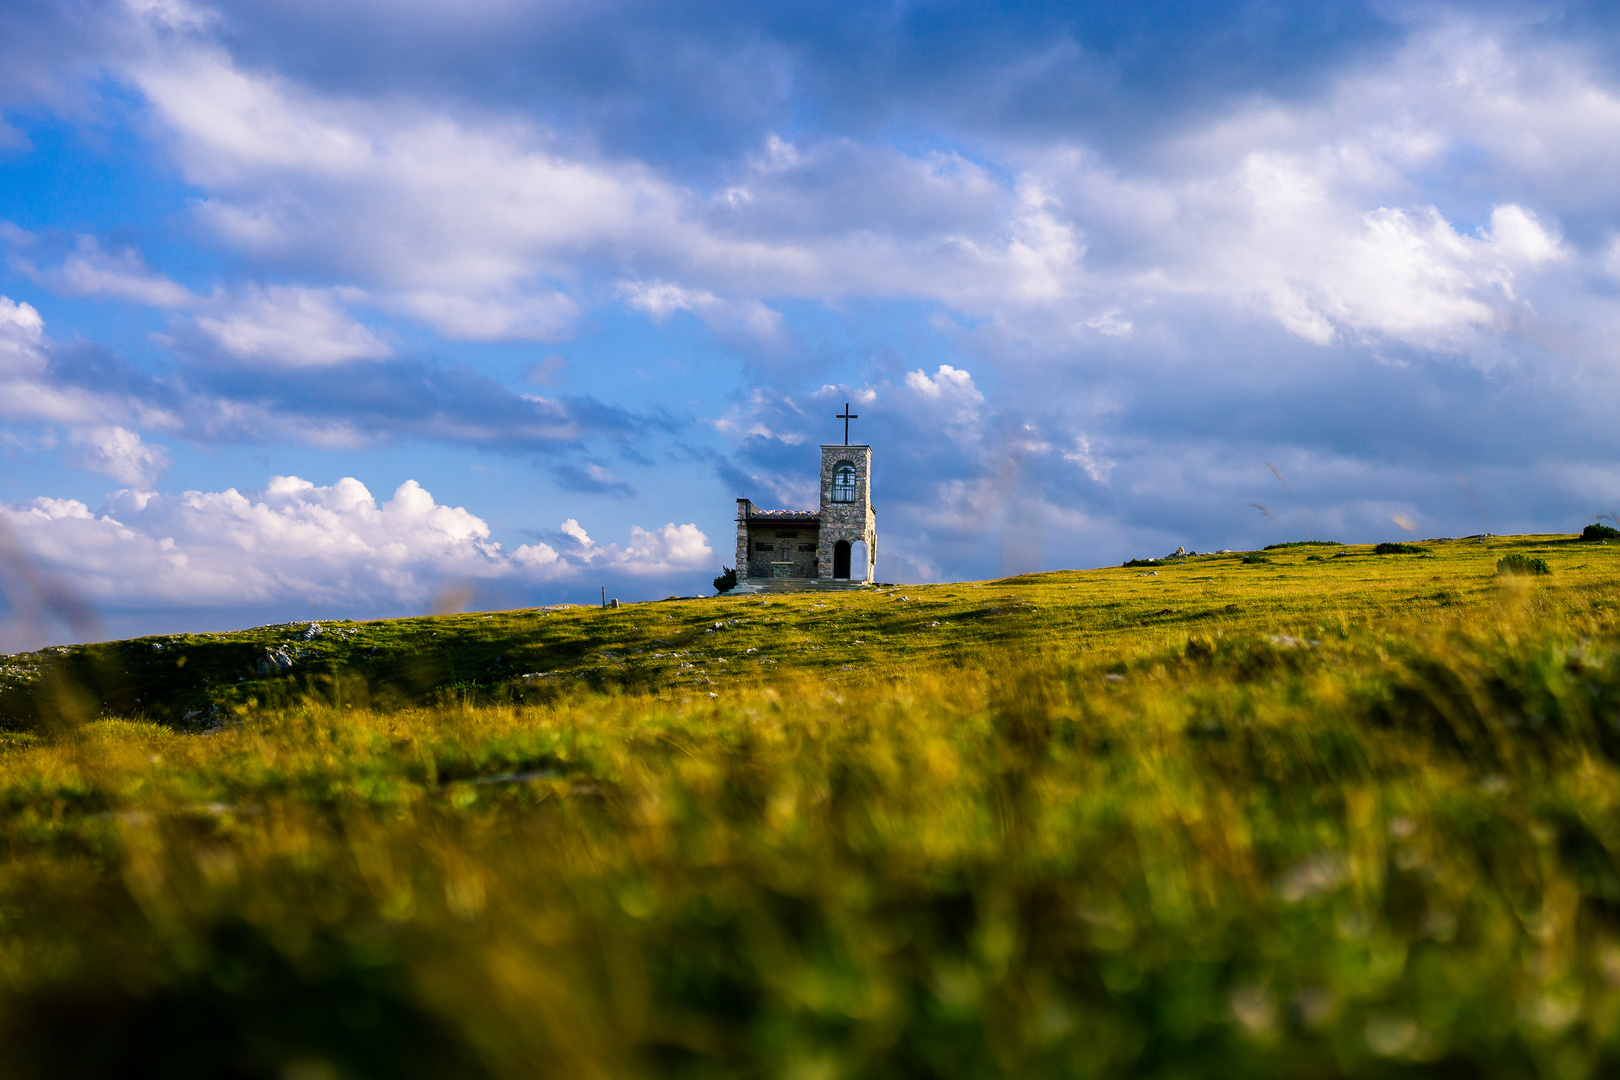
841 560
858 557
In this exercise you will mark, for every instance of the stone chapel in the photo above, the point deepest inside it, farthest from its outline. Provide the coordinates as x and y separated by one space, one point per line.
785 549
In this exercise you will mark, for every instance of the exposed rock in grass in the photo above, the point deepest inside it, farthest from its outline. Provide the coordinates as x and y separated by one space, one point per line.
276 661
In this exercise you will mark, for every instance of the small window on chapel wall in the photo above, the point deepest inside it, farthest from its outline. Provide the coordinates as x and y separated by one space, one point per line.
844 483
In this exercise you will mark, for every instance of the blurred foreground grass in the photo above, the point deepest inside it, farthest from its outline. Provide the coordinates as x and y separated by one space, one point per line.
1347 829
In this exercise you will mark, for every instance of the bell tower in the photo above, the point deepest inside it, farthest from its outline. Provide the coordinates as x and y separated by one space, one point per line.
847 517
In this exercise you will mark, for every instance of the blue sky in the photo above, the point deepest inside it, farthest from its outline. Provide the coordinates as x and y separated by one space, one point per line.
347 310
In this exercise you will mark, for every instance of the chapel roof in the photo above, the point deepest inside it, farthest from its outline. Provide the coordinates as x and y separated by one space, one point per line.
795 516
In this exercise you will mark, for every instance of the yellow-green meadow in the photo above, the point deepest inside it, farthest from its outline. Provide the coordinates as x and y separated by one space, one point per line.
1321 813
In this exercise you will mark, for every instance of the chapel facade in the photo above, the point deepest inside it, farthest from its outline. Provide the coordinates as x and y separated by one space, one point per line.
814 548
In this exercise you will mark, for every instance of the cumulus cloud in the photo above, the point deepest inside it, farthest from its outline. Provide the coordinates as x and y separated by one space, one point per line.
669 549
336 546
1406 275
21 330
228 549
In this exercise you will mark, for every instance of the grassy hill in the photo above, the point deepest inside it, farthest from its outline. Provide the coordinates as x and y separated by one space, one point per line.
1316 811
198 680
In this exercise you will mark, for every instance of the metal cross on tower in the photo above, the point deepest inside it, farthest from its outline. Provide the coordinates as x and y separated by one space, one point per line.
846 416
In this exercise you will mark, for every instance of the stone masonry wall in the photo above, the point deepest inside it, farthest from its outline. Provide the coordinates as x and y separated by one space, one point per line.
744 508
765 541
775 544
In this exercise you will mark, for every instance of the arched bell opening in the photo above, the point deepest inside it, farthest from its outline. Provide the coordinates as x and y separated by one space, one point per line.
844 483
841 560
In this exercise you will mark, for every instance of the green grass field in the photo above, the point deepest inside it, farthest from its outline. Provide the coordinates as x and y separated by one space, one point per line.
1333 813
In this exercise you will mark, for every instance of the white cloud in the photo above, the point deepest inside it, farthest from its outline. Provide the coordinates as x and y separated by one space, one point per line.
1409 276
1323 215
91 271
946 382
289 331
491 227
232 123
119 453
574 529
277 325
28 392
733 318
745 421
948 399
173 14
1041 259
283 326
1287 230
504 314
660 299
668 549
21 331
1110 324
1086 455
481 226
601 475
1611 257
455 224
779 155
293 542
